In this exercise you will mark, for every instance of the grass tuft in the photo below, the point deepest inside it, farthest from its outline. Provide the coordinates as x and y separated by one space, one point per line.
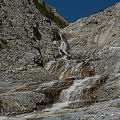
3 43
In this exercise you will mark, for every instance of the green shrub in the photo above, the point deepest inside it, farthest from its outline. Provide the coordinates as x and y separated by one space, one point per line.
34 39
49 14
3 2
3 43
100 10
118 104
30 11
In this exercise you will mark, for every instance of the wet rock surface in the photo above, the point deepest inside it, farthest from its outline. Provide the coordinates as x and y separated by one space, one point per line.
93 52
99 111
103 111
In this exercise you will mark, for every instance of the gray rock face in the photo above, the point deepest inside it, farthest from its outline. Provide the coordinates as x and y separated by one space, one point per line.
25 46
95 40
19 20
84 50
103 111
19 102
97 36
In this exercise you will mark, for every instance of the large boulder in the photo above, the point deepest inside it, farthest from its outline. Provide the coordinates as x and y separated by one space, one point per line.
20 102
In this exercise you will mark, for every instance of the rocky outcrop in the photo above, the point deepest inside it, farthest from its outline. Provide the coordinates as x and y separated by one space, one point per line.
23 30
94 40
25 46
103 111
93 51
20 102
97 36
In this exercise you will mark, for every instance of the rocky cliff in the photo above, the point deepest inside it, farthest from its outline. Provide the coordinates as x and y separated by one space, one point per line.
25 46
71 73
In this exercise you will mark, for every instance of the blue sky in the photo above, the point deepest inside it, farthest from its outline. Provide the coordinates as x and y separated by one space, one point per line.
75 9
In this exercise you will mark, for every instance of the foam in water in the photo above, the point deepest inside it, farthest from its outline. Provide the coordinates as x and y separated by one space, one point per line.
65 69
68 68
19 117
63 58
63 46
4 118
52 65
72 94
57 106
10 118
49 64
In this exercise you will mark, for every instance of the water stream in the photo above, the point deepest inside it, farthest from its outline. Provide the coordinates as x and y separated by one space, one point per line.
74 93
69 68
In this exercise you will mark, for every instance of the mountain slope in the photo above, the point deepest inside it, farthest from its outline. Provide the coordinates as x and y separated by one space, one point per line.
73 72
25 46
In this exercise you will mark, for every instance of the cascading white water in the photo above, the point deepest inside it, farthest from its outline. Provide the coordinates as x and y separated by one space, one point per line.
68 69
73 93
63 46
65 69
62 49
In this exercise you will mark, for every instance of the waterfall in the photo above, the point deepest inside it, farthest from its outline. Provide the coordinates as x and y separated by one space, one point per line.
65 70
63 47
52 66
74 93
71 68
62 66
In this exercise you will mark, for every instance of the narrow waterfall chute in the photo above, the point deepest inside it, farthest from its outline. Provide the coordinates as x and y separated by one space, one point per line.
81 72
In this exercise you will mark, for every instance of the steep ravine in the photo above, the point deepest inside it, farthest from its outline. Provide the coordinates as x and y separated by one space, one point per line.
89 57
81 73
71 73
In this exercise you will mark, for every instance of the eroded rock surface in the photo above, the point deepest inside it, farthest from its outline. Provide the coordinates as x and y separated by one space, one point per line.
53 70
25 46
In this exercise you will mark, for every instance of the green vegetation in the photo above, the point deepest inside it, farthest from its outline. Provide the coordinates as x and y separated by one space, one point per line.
118 104
3 43
49 14
3 2
101 10
30 11
3 25
34 39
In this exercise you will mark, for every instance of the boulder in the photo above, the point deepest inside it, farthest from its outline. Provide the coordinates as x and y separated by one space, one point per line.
20 102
